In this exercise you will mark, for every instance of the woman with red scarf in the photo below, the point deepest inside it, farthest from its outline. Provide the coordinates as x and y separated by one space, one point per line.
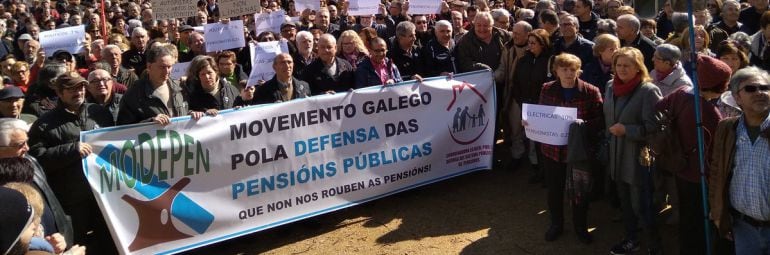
629 115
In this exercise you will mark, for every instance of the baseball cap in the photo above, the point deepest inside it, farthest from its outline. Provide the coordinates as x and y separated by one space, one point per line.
10 91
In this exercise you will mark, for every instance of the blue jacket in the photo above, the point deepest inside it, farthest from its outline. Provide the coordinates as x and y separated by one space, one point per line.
366 76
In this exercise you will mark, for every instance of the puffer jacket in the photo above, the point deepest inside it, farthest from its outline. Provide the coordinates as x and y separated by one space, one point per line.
139 105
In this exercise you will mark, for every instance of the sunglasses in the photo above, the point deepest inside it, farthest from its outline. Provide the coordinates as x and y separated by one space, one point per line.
751 88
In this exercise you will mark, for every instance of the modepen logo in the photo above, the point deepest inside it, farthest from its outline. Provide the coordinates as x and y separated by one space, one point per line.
159 201
469 120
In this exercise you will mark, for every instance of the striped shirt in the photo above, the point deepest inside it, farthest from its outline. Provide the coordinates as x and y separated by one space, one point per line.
750 184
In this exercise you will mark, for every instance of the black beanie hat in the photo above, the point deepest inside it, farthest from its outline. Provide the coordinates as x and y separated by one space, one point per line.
15 216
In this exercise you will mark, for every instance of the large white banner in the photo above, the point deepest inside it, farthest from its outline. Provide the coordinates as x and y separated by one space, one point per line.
424 6
363 7
221 36
235 8
262 56
548 124
169 189
269 21
69 39
173 9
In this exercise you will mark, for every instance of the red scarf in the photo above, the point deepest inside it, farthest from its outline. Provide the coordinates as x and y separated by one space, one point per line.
620 88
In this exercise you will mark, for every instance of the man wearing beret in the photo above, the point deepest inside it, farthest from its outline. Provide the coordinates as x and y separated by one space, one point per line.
11 102
54 141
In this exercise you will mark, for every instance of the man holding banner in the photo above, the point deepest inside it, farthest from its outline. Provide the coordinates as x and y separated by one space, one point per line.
283 87
54 142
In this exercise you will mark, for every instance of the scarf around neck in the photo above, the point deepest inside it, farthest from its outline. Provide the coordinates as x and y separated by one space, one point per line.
620 88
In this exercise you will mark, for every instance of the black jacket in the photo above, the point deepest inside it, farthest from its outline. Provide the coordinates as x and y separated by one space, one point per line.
594 75
113 105
54 141
437 59
61 219
270 91
320 81
645 45
530 75
200 100
139 105
408 63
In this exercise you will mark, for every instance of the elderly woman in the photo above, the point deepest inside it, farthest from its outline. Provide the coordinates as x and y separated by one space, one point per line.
530 74
352 48
668 74
598 70
713 76
209 92
568 91
629 112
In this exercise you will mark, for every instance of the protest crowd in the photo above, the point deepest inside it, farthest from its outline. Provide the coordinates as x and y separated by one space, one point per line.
631 79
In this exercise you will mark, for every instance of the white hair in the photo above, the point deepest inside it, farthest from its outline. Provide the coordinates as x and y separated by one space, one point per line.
8 126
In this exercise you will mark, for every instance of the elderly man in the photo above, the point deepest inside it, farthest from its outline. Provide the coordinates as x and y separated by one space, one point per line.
155 97
730 14
510 111
100 91
481 49
329 73
11 103
111 54
629 33
197 47
502 18
305 54
572 42
134 58
377 69
437 53
283 87
54 141
458 25
323 22
403 51
739 194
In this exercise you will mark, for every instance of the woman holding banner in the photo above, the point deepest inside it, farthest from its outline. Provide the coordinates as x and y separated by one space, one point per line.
209 92
629 113
569 91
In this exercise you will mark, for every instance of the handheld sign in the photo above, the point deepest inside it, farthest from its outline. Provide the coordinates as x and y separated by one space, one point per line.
221 36
262 55
173 9
424 6
301 5
363 7
178 70
234 8
69 39
548 124
269 21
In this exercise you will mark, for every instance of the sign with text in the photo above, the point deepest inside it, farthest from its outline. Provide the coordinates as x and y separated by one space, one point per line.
170 189
262 56
269 21
548 124
69 39
220 36
178 70
363 7
235 8
301 5
424 6
173 9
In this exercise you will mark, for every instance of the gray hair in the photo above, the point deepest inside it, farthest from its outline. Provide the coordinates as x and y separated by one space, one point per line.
8 126
443 23
630 20
329 38
404 27
574 19
606 25
484 15
526 14
526 25
497 13
725 3
155 53
668 52
101 65
744 75
680 21
110 47
303 35
139 31
92 74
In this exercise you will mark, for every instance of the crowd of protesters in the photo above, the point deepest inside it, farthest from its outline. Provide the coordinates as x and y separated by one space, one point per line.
631 79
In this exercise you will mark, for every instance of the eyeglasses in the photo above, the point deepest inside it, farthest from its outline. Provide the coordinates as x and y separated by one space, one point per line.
99 81
751 88
16 146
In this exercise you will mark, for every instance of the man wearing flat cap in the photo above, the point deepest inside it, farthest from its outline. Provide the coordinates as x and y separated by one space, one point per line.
54 142
11 103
